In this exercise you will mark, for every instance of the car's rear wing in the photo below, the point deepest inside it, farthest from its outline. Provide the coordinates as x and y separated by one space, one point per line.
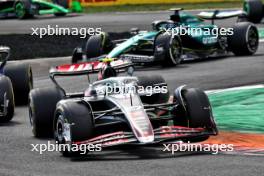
87 68
214 15
218 15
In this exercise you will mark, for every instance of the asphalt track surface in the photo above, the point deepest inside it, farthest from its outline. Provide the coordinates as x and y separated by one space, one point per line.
16 157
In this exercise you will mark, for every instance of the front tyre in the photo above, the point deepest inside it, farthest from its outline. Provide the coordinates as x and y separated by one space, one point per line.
6 99
98 45
42 105
198 109
22 80
198 112
168 49
22 9
245 39
73 122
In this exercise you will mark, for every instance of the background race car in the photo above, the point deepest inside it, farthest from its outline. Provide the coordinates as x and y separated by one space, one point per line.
15 83
28 8
166 47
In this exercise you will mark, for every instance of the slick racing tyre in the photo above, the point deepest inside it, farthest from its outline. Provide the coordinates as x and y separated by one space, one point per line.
198 111
254 10
42 105
22 9
98 45
168 49
7 103
73 118
245 40
22 80
153 81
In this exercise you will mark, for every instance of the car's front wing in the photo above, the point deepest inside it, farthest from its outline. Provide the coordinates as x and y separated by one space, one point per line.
162 134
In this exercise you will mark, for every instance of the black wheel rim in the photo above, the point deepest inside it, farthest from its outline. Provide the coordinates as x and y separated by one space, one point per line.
20 10
175 50
60 129
253 39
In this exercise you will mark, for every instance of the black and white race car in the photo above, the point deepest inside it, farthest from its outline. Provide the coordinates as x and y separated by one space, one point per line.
123 116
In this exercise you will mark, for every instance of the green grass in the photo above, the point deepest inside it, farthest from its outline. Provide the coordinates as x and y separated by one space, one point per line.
157 7
239 110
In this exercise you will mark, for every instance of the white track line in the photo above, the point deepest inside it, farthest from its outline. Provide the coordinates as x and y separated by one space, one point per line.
235 88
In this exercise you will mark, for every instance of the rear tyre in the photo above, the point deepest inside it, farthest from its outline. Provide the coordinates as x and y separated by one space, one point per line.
98 45
81 117
245 40
254 9
22 80
152 81
168 49
22 9
42 105
6 93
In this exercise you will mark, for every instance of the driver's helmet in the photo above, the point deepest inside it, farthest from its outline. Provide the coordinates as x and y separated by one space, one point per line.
163 24
107 72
